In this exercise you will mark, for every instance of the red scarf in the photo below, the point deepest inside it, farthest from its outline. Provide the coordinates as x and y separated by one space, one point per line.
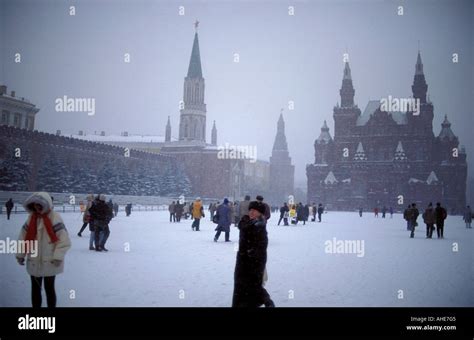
31 233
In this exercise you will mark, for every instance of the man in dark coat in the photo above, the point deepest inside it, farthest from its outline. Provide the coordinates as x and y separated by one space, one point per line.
251 260
9 205
172 210
178 209
406 216
320 211
225 220
429 219
299 212
101 214
284 208
413 215
267 214
440 216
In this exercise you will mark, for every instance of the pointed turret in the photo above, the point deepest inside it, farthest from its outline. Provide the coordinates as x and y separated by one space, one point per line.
214 134
419 87
194 69
324 136
280 138
400 153
446 133
360 153
168 131
347 90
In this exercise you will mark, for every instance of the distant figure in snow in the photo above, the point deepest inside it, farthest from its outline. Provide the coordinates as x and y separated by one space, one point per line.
45 226
284 208
224 214
305 213
360 211
292 214
391 212
413 215
212 210
406 217
116 209
9 205
86 214
384 211
178 209
197 213
186 210
467 217
376 211
429 219
440 216
299 213
320 211
314 211
172 210
128 209
101 214
251 260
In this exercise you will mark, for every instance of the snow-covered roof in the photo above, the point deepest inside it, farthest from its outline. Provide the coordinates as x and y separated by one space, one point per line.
347 180
415 180
330 178
124 139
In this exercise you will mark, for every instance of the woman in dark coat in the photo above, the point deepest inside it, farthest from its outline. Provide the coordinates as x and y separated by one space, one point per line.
251 260
225 220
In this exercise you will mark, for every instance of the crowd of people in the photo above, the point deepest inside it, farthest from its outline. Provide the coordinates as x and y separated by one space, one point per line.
250 217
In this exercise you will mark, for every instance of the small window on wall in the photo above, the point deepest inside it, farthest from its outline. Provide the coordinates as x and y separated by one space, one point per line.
5 117
17 120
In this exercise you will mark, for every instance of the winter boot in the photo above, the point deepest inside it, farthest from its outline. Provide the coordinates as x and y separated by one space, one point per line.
91 248
79 234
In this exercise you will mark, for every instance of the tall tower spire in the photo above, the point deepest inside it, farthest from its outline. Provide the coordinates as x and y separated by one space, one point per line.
280 139
214 134
168 131
282 172
192 124
347 90
419 87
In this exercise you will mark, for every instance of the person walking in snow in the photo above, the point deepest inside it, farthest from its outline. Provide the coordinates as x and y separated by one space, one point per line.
224 214
376 212
212 210
440 216
299 212
292 214
172 210
413 215
46 227
101 214
178 208
305 213
86 214
391 212
320 211
467 217
384 211
9 205
406 216
197 213
128 209
429 219
116 209
283 209
186 210
360 211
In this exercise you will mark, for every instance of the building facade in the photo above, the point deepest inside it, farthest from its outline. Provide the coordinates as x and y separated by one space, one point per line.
385 157
16 111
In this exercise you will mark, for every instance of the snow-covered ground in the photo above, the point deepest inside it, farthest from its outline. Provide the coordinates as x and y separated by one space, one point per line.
170 265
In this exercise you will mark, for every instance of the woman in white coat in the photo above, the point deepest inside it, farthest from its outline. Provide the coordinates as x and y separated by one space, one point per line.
45 259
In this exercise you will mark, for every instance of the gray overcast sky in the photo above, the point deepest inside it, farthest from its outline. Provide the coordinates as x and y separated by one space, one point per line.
282 58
